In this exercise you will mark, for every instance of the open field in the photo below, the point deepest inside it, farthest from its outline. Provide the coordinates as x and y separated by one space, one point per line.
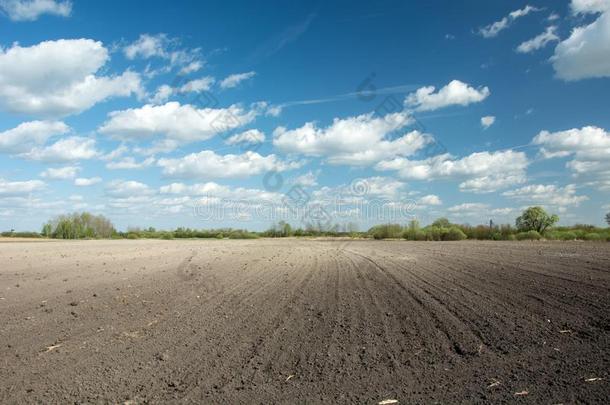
263 321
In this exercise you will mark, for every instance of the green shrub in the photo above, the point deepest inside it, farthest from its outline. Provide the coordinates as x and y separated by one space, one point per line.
454 233
593 236
561 235
529 235
386 231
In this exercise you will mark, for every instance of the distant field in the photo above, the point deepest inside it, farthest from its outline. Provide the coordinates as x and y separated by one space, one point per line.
290 320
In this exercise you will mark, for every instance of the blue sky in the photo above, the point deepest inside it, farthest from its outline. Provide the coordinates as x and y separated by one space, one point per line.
187 113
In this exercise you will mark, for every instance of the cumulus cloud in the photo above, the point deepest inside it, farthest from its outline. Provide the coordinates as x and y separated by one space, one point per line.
197 85
191 67
215 190
166 49
249 137
308 179
30 134
539 41
181 123
492 30
469 207
454 93
547 195
129 188
235 79
586 52
429 199
589 6
589 148
359 140
209 165
164 92
64 150
85 182
58 78
148 46
484 172
30 10
16 188
480 212
60 173
129 163
487 121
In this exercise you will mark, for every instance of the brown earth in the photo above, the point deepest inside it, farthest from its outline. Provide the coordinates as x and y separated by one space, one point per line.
268 321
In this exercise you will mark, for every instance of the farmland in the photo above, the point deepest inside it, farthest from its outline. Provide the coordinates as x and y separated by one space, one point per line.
304 320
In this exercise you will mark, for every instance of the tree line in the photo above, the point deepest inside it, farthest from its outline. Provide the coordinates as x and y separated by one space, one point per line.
533 224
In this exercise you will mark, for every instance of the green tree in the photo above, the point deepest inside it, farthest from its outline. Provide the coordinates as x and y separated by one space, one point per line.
442 223
535 219
79 226
608 218
47 230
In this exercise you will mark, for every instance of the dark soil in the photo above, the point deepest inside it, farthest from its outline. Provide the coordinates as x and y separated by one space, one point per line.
294 321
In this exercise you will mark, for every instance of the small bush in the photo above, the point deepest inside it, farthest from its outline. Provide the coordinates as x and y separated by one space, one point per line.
562 235
386 231
593 236
454 233
529 235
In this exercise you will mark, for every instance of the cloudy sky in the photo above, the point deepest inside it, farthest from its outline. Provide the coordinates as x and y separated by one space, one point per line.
158 113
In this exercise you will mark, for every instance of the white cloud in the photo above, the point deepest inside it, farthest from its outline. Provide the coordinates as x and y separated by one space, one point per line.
58 78
377 186
360 140
198 85
115 153
148 46
589 6
251 136
208 165
553 17
430 199
308 179
15 188
454 93
548 195
85 182
484 171
589 146
30 10
192 67
164 92
125 189
235 79
494 29
539 41
586 52
182 123
480 212
60 173
469 207
487 121
128 163
215 190
64 150
586 142
29 134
